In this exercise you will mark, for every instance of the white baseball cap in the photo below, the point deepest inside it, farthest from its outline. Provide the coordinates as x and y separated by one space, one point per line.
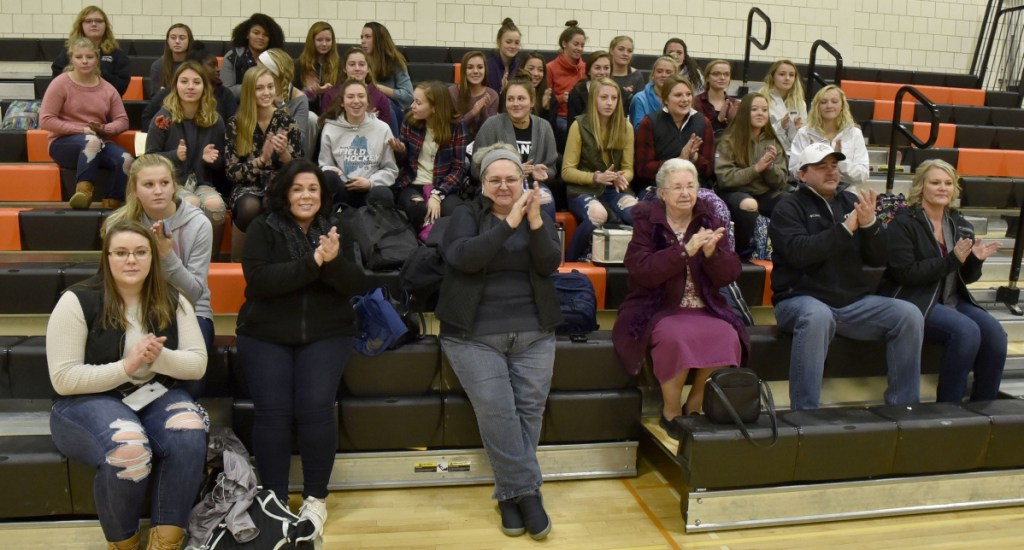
817 152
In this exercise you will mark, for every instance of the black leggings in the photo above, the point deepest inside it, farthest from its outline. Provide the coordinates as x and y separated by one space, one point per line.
416 210
746 220
245 209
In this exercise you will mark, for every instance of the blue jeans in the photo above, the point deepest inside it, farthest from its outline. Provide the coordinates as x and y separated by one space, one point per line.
70 152
294 385
167 438
814 323
974 341
507 378
579 205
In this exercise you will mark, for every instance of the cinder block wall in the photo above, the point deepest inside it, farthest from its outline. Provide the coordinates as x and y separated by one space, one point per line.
926 35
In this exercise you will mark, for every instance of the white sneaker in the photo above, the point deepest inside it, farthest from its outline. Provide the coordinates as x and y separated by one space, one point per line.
314 510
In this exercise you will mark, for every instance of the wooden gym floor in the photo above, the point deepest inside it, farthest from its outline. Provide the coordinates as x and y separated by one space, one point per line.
640 513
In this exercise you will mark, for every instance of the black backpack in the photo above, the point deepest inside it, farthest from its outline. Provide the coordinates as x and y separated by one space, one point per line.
384 235
578 302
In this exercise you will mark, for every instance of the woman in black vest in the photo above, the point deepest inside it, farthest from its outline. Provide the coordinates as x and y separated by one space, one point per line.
115 346
677 131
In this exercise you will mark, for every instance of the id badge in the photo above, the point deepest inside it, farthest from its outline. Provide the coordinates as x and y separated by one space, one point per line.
144 395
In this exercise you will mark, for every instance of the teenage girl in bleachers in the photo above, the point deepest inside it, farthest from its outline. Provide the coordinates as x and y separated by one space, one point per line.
788 109
106 337
82 112
599 65
715 102
566 70
830 122
431 152
225 101
250 38
354 152
176 47
390 71
646 101
545 102
598 166
531 135
750 168
319 65
93 24
355 66
471 96
504 62
677 131
184 237
688 67
291 99
261 139
189 133
629 79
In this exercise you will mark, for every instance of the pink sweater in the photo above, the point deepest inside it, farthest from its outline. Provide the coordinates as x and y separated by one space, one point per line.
68 108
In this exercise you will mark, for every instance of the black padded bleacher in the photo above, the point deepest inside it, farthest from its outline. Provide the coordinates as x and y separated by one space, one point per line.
19 49
141 65
13 147
60 229
981 137
422 72
915 156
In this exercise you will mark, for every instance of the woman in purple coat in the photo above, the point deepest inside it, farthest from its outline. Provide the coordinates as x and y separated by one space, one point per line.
677 260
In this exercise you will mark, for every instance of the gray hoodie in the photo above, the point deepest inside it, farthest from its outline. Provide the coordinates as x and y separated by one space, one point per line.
359 150
189 265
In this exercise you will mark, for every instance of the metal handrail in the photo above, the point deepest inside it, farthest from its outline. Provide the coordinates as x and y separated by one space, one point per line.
991 40
933 133
751 39
982 32
814 77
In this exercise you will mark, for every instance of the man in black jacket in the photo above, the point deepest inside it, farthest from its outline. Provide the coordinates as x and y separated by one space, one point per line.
823 235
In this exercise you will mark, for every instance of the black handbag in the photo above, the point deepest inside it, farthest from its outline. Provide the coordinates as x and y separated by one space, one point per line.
735 396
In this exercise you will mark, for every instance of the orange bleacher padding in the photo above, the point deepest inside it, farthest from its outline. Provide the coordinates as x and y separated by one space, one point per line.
134 91
953 96
227 287
10 234
947 133
598 277
991 162
29 182
884 110
38 146
458 72
126 140
856 89
766 298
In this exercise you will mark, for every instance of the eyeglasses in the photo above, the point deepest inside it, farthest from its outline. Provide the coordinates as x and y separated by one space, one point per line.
507 182
94 21
122 254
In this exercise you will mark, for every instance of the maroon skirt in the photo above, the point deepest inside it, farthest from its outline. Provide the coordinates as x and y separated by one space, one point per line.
693 339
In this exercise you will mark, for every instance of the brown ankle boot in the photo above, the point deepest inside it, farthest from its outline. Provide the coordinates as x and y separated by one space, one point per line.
112 204
82 197
127 544
165 537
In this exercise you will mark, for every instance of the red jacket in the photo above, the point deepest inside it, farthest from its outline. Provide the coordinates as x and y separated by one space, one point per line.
562 76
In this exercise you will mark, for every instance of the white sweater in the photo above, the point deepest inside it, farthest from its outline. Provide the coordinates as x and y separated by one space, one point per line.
853 170
66 334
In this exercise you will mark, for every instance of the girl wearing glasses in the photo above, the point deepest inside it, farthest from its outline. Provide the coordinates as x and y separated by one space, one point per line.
116 344
115 67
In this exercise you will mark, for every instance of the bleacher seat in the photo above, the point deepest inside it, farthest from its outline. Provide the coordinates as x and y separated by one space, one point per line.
422 72
927 427
29 287
855 441
60 229
13 147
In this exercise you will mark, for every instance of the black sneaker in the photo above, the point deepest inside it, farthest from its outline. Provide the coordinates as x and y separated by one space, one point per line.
511 519
671 427
538 524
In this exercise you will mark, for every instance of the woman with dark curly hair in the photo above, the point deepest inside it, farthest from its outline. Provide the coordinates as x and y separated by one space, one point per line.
250 38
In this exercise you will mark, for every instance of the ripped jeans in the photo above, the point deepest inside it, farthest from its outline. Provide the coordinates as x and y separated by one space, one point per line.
163 445
74 152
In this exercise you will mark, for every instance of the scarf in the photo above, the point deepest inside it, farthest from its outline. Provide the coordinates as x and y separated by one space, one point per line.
299 244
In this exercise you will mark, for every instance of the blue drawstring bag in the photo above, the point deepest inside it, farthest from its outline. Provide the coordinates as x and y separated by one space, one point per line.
381 326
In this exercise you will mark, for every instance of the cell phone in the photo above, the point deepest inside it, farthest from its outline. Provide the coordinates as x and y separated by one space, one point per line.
167 229
144 395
